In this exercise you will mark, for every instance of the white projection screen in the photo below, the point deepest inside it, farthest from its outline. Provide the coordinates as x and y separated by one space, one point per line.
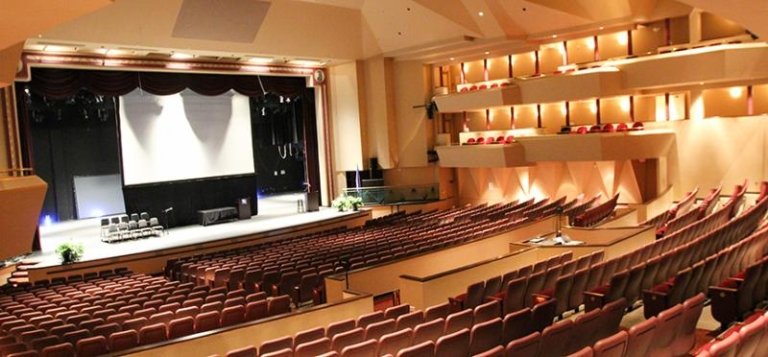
184 136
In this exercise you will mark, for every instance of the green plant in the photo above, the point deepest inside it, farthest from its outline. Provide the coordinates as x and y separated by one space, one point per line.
70 252
345 202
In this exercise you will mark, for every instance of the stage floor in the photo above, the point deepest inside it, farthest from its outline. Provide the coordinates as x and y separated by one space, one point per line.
275 212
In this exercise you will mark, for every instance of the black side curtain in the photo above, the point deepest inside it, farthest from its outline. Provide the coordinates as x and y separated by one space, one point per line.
63 83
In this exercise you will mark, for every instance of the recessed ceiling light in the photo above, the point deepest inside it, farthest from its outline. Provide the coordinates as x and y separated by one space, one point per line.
257 59
181 55
305 62
452 58
554 36
480 13
487 52
602 28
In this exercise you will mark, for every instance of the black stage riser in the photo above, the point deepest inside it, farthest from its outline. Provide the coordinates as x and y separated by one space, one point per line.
187 197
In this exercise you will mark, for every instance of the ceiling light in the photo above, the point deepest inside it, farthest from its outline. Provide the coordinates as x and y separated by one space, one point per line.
452 58
260 59
602 28
554 36
487 52
181 55
56 48
305 62
481 14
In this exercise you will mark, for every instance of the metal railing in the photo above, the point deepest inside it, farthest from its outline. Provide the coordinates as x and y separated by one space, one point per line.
387 195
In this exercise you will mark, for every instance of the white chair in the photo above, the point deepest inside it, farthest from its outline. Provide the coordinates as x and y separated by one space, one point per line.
157 229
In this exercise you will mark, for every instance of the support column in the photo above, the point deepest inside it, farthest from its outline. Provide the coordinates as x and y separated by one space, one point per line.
696 109
694 26
10 147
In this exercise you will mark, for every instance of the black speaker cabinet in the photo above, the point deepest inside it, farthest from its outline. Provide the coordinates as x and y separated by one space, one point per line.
313 201
244 208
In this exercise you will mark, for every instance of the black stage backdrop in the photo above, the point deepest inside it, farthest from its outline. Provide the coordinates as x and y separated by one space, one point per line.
186 197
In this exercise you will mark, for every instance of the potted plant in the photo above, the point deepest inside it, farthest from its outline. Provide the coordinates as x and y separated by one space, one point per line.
355 202
345 202
70 252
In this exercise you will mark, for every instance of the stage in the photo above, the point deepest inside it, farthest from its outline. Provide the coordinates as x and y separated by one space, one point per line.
277 217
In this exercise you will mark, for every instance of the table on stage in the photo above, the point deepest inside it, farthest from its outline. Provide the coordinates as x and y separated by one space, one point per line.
216 215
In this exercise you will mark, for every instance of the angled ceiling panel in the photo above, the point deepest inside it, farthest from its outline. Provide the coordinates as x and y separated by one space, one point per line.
231 21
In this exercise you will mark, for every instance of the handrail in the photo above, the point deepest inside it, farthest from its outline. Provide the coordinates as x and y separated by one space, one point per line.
17 171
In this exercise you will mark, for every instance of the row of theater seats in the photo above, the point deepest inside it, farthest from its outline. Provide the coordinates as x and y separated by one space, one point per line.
482 332
577 209
509 139
746 285
526 286
659 263
679 220
705 208
606 128
435 332
474 87
706 260
748 339
596 214
654 263
672 333
681 207
113 313
296 266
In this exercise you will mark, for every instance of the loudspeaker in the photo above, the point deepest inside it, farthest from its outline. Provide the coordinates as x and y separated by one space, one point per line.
313 201
244 208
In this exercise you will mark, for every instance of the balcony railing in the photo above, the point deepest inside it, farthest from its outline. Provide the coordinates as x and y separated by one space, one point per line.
389 195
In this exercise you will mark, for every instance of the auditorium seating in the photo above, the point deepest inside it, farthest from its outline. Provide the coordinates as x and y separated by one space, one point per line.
578 209
741 292
118 311
295 266
746 339
681 219
460 333
531 284
645 269
595 215
680 208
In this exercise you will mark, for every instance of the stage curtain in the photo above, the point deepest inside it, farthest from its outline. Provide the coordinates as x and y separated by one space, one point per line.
62 83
